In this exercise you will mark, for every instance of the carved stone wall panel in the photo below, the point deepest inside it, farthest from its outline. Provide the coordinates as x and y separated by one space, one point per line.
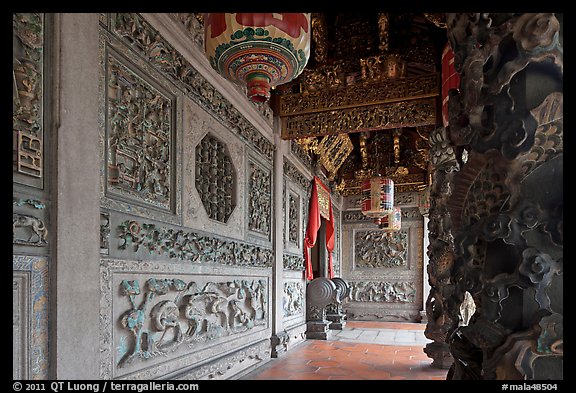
20 325
385 272
197 126
295 208
28 36
259 200
139 119
140 133
138 34
294 223
160 319
378 249
30 225
336 254
293 301
30 317
143 239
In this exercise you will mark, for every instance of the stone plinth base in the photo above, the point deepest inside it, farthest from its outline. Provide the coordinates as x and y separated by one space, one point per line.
318 330
338 321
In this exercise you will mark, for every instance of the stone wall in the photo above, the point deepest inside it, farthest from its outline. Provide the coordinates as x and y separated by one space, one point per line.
179 220
384 272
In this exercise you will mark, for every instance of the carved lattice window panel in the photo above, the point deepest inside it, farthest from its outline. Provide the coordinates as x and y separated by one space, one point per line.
215 178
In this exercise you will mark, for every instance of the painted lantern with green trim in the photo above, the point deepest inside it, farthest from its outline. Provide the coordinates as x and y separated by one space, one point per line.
257 50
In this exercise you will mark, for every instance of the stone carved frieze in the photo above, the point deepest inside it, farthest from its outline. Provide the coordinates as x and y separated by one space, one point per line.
382 291
140 137
172 313
147 41
27 95
411 113
293 219
293 298
293 262
331 99
378 249
259 199
215 178
191 246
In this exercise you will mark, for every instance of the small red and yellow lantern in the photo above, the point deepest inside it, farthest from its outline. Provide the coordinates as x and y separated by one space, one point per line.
377 197
257 50
392 221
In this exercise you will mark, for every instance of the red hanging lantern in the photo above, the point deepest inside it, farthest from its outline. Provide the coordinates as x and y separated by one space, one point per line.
258 50
377 197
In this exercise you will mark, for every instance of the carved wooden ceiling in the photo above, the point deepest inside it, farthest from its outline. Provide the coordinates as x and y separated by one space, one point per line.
368 98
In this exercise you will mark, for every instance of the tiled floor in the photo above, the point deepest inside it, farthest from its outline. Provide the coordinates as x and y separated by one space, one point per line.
363 350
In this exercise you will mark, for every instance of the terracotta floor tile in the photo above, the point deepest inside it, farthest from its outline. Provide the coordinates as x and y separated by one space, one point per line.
353 360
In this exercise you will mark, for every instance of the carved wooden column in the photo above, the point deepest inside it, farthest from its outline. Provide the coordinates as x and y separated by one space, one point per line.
506 206
441 314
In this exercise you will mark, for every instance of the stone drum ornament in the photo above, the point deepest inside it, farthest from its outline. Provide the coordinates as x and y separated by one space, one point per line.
257 50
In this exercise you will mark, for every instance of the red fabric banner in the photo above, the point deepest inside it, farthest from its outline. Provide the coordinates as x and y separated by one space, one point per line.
450 80
312 230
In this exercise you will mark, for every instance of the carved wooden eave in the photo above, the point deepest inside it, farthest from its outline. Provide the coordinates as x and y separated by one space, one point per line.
403 102
402 183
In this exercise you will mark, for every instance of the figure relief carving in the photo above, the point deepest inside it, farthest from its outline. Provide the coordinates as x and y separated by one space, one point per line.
293 219
382 291
378 249
293 299
173 313
259 199
142 37
139 137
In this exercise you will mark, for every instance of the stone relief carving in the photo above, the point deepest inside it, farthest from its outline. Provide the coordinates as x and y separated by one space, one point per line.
259 199
27 229
27 94
140 137
36 268
104 233
190 314
191 246
293 219
389 292
293 173
215 178
293 299
378 249
300 153
293 262
147 41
